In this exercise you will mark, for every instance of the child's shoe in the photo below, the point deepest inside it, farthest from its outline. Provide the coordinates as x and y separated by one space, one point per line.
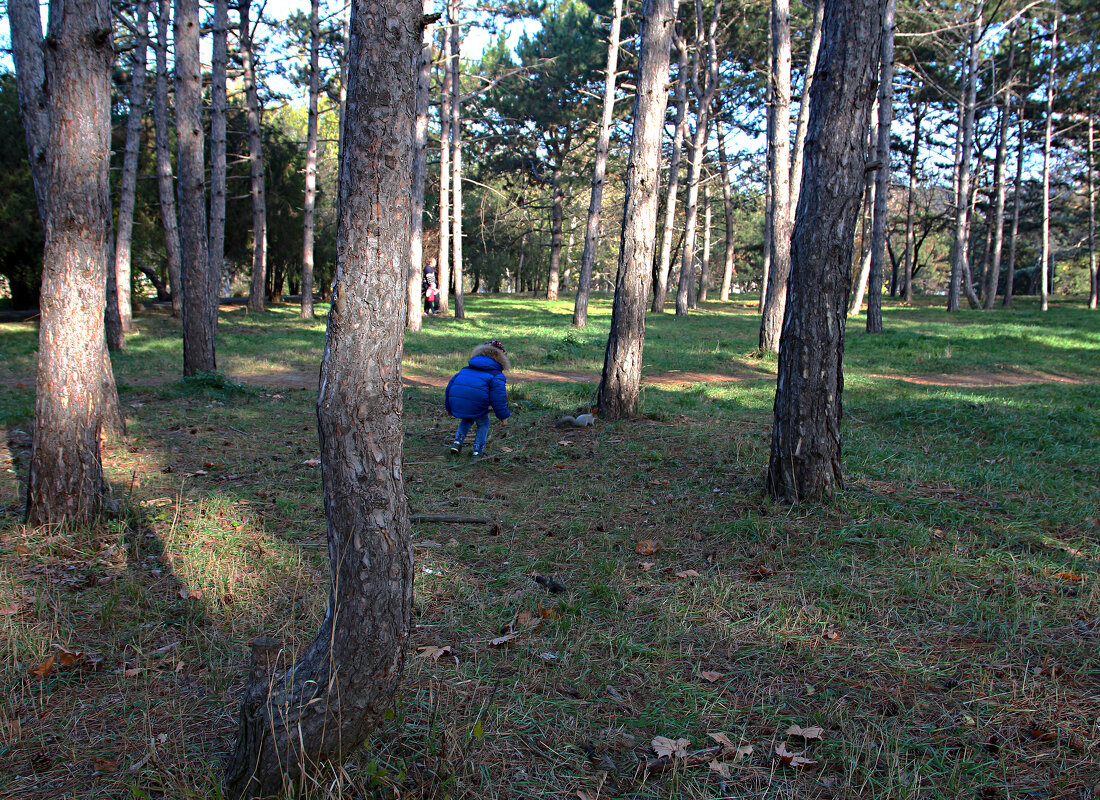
477 454
456 448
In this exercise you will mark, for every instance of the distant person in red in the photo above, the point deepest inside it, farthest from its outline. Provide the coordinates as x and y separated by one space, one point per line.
431 299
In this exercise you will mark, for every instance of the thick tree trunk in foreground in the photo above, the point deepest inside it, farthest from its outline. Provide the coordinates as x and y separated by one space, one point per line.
166 189
1045 258
443 273
25 27
617 395
255 160
727 212
960 255
66 474
420 170
456 160
322 708
882 177
779 145
199 303
218 105
664 265
311 167
804 105
805 462
599 173
993 272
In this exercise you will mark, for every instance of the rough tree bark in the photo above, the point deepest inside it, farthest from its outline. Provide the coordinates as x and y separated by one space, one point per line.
599 173
664 266
617 395
1094 279
769 168
420 170
779 145
198 334
255 158
321 709
804 105
166 189
25 24
805 463
66 474
1044 259
218 107
557 219
456 159
728 268
882 177
704 268
910 235
1017 191
311 168
960 256
993 272
443 272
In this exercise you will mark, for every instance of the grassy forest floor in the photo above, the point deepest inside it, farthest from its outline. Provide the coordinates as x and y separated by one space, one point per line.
939 622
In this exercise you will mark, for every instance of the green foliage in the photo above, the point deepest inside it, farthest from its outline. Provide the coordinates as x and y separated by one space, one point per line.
21 236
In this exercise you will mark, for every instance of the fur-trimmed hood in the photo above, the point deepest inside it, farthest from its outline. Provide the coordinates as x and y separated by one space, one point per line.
494 353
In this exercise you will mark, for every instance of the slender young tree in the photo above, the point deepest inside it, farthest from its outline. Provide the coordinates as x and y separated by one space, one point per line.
420 171
1094 278
617 395
1017 191
218 106
804 105
960 256
166 189
66 474
199 303
456 158
1045 258
311 164
805 463
910 233
728 268
321 708
993 273
769 168
779 146
599 173
255 156
25 26
664 266
443 272
704 268
882 176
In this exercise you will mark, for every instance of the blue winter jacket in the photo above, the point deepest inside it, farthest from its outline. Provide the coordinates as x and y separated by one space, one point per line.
475 388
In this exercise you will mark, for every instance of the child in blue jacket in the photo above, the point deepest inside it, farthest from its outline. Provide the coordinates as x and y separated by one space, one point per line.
475 389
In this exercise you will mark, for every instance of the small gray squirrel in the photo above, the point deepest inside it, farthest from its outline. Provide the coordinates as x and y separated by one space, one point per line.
579 421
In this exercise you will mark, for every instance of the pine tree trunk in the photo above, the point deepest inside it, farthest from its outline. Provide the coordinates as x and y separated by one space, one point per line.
456 162
599 173
780 143
322 708
25 28
728 268
66 475
557 217
664 265
805 463
1017 193
617 395
165 185
419 176
1094 279
910 235
704 269
859 289
199 304
769 169
993 273
311 169
1045 258
443 276
218 107
960 256
255 160
882 177
804 105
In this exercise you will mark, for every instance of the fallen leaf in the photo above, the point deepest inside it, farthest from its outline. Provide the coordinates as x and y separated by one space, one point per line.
435 653
674 748
791 758
1069 576
761 572
9 609
646 547
45 668
311 462
710 676
830 635
528 619
805 733
548 613
105 765
647 566
21 550
721 768
497 642
69 657
687 573
132 672
742 752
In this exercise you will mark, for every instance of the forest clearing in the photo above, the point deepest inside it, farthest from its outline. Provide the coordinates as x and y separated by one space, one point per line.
933 632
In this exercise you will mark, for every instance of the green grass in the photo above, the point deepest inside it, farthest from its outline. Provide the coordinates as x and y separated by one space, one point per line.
938 620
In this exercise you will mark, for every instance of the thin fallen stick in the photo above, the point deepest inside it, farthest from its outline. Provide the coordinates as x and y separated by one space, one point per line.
448 518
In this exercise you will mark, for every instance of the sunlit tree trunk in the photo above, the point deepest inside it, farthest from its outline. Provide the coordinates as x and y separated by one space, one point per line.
804 105
910 234
311 164
617 395
322 708
599 173
66 474
664 265
993 273
859 289
960 256
1045 258
198 334
557 218
420 170
704 269
255 159
882 177
780 143
805 463
727 210
443 275
218 188
769 168
456 160
1094 285
166 189
1018 186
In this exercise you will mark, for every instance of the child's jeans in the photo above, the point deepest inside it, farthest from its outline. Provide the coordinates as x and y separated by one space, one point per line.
480 437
